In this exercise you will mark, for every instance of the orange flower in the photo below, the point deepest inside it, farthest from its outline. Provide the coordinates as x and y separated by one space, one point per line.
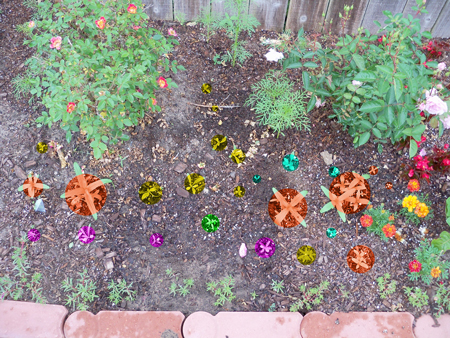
101 23
391 218
389 230
132 8
421 210
154 101
413 185
70 107
366 220
435 272
162 82
370 206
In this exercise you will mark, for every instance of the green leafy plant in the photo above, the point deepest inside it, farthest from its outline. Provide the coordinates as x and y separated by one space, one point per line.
181 18
117 290
276 105
82 293
254 295
233 25
40 8
380 218
443 242
183 290
413 216
169 272
429 258
384 288
223 290
323 24
447 210
286 43
416 298
101 76
209 20
374 89
15 286
343 292
272 307
277 286
442 299
313 296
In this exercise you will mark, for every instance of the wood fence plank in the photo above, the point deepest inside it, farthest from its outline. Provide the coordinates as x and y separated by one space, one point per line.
305 14
158 10
375 10
270 13
427 21
441 28
356 15
219 7
190 8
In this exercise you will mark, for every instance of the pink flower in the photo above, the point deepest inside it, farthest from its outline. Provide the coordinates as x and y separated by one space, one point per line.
422 140
446 146
136 27
319 102
162 82
70 107
436 106
55 42
132 8
172 32
101 22
446 161
411 173
439 86
422 114
31 24
415 266
422 152
243 250
425 175
422 106
441 66
446 122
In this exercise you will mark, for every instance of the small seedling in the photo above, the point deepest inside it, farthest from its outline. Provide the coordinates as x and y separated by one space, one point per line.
272 308
343 291
417 298
277 286
384 288
115 295
182 290
169 272
224 293
82 293
254 295
313 296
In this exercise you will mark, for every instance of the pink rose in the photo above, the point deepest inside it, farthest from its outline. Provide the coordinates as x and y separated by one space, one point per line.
31 24
441 66
446 146
422 106
429 93
446 122
55 42
435 106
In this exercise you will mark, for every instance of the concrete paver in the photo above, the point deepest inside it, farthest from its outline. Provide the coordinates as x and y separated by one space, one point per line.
124 324
425 327
31 320
357 325
243 325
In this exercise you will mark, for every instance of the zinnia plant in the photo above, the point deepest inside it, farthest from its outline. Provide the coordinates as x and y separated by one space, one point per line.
428 264
416 209
378 220
413 185
83 74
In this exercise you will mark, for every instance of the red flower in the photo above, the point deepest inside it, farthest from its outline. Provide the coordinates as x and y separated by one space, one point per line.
70 107
389 230
422 114
413 185
162 82
132 8
422 140
446 146
101 23
446 161
415 266
411 173
406 87
366 220
425 175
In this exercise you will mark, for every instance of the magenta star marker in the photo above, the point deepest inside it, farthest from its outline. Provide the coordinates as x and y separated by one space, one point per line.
86 235
34 235
265 247
156 240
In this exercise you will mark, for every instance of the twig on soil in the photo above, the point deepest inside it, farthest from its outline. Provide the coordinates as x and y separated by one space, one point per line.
209 106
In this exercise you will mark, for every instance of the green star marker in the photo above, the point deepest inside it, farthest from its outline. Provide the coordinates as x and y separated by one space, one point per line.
256 178
334 172
331 232
290 162
210 223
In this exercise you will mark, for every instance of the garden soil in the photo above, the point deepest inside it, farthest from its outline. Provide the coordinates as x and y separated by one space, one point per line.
181 134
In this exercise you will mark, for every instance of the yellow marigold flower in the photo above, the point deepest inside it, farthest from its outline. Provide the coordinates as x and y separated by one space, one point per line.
383 211
421 210
410 202
435 272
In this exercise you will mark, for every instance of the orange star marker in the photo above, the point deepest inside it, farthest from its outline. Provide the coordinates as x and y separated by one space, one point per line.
85 194
287 208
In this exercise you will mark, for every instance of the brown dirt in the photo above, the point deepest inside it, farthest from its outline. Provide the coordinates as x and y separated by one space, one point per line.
183 132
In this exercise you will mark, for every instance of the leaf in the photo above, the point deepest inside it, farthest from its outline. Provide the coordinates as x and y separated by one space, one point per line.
366 124
294 65
385 69
68 136
364 138
342 216
311 103
106 180
63 195
77 169
310 64
359 60
70 245
127 122
94 216
304 193
443 242
305 78
356 99
372 106
376 132
398 88
412 149
327 207
365 76
325 191
97 153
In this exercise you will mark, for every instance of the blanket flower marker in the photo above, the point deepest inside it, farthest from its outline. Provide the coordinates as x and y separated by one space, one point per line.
349 193
85 194
288 208
33 186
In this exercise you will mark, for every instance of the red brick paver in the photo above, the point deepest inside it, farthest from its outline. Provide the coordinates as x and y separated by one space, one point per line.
425 327
31 320
358 325
243 325
124 324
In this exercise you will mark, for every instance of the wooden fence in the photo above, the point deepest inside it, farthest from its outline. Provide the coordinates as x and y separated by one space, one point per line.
279 15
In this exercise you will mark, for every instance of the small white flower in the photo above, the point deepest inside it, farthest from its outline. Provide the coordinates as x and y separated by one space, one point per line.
273 55
243 250
423 230
441 66
356 83
422 153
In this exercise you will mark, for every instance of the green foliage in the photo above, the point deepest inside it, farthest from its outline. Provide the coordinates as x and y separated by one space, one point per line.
180 17
78 296
276 105
277 286
223 290
254 295
447 210
381 106
416 298
169 272
286 42
183 290
40 9
443 242
442 300
15 286
411 216
313 296
209 20
344 293
430 257
384 288
380 218
233 25
117 290
272 307
99 70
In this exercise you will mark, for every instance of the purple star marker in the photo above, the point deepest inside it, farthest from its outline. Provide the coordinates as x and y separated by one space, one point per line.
34 235
86 235
265 247
156 240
